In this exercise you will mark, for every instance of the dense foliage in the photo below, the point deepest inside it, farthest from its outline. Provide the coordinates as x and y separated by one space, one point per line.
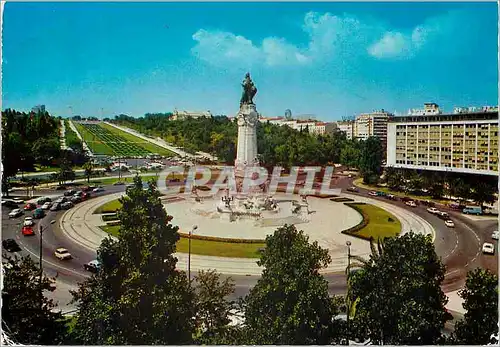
28 139
481 302
138 296
277 145
26 313
290 303
398 295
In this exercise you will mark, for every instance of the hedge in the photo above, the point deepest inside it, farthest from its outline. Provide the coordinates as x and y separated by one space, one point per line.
341 199
352 231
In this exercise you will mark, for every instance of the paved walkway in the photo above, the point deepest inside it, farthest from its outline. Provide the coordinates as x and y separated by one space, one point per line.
85 146
63 135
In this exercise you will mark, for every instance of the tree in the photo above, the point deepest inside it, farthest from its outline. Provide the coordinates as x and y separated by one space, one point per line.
483 191
481 304
370 162
394 179
398 295
290 302
66 172
89 168
45 150
138 296
212 308
27 314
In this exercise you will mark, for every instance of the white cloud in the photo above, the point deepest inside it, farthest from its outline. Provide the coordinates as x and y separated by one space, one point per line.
329 35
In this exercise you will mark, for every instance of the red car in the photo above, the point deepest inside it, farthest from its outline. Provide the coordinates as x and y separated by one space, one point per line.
28 231
30 206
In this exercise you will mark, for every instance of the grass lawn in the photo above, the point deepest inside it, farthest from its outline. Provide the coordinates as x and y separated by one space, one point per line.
109 207
138 141
359 183
379 225
128 179
96 146
213 248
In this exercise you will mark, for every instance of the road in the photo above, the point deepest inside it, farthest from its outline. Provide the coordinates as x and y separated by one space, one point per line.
459 248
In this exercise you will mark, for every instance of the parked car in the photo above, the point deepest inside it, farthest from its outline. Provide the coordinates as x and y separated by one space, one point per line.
28 221
56 206
373 193
92 266
10 245
39 213
352 189
30 206
27 230
46 206
15 213
477 210
488 248
62 254
67 205
449 223
42 201
411 203
433 210
495 235
70 192
98 189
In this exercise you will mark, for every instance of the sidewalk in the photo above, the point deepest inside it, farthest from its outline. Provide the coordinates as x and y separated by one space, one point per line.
455 303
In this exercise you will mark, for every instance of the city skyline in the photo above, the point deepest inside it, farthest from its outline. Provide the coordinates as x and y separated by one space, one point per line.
326 59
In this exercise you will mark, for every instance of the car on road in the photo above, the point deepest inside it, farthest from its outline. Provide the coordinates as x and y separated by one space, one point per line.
373 193
86 196
92 266
76 199
98 189
70 192
28 221
10 245
27 230
9 203
62 254
443 214
433 210
119 183
46 206
15 213
43 200
473 210
449 223
411 203
495 235
61 200
56 206
30 206
488 248
391 197
39 213
67 205
352 189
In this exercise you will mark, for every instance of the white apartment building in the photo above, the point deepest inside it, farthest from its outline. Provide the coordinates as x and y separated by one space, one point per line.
313 126
430 108
347 127
372 124
458 142
182 115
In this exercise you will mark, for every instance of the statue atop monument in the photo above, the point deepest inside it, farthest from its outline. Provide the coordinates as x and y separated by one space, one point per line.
249 91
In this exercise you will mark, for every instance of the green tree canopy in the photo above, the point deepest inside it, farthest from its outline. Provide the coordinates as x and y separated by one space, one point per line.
481 304
398 293
138 296
27 315
290 302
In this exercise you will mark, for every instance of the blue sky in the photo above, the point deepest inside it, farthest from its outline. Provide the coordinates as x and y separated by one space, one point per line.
327 59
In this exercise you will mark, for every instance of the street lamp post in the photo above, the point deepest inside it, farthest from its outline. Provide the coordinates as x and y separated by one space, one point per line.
40 230
189 252
348 243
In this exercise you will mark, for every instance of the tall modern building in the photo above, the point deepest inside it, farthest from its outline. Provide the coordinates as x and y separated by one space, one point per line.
465 141
347 127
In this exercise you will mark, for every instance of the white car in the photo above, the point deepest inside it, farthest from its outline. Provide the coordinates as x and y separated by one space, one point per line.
15 213
98 189
449 223
411 203
62 254
495 235
442 214
372 193
433 210
28 221
488 248
46 206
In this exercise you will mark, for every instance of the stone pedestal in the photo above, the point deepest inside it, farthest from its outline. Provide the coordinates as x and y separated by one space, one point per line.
246 155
